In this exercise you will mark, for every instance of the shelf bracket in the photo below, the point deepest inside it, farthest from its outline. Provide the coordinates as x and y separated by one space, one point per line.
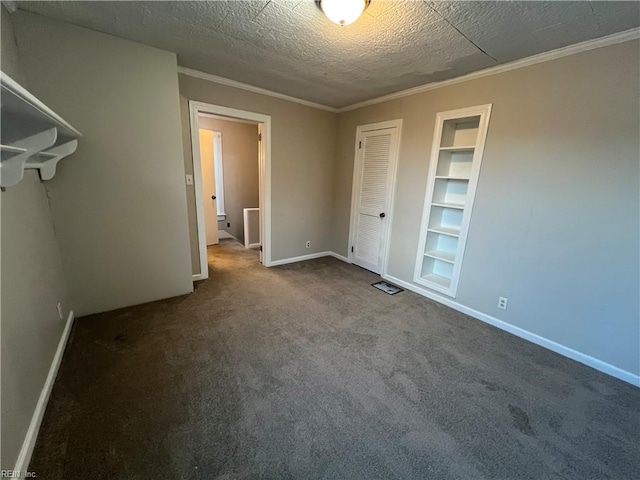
12 169
48 168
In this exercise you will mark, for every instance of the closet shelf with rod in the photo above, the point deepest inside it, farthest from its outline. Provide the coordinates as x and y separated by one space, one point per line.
32 135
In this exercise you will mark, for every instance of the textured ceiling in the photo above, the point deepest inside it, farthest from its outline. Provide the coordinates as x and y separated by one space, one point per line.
290 47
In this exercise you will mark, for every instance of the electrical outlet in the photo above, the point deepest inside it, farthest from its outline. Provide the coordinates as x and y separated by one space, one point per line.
59 307
502 303
308 244
189 179
228 224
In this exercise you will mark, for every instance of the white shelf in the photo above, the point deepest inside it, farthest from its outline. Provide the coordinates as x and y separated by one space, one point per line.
32 135
458 144
445 177
453 232
438 280
468 148
440 255
457 206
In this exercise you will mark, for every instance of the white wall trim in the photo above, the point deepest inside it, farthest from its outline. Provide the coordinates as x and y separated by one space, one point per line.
620 37
301 258
311 256
392 202
194 126
583 358
228 119
24 457
244 86
339 257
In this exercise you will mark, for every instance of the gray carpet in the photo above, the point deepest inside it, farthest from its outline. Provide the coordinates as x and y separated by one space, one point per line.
306 371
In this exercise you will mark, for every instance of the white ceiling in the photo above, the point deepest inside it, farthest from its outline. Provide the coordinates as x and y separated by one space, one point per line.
290 47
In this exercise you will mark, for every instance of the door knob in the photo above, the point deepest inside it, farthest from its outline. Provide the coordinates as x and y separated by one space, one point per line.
213 197
382 215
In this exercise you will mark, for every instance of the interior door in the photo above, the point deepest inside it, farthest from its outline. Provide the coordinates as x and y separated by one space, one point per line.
375 171
209 186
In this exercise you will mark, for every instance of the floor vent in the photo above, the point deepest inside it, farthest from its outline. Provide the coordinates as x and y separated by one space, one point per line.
387 288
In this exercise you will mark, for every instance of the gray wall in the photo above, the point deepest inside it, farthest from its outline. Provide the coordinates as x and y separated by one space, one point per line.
9 55
302 156
555 226
240 166
33 283
119 202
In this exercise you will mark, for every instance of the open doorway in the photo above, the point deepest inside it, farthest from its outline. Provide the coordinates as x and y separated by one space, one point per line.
231 166
230 178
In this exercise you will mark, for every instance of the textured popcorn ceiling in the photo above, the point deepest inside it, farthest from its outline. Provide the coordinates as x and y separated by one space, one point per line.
290 47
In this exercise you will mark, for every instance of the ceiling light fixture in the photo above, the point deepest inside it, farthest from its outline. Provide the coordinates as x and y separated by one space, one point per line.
343 12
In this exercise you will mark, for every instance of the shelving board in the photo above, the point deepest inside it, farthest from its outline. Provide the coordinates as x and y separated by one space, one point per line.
444 256
32 135
457 206
454 169
457 149
452 232
437 280
451 178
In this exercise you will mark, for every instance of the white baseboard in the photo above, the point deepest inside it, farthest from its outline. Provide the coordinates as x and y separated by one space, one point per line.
253 245
301 258
24 457
339 257
311 256
224 234
583 358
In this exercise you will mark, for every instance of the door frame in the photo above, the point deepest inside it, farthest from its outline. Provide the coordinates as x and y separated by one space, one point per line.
264 175
355 188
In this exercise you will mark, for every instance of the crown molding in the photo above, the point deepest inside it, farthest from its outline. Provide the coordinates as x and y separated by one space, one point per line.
620 37
250 88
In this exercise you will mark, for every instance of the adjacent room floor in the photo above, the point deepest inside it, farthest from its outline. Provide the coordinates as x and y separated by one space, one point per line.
306 371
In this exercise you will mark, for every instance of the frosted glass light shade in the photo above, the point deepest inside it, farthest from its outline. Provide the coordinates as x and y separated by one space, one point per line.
343 12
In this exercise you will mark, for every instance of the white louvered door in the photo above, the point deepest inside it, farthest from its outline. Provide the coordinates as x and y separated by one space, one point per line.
375 171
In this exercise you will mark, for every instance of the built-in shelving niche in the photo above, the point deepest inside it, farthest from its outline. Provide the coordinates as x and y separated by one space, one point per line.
31 135
456 156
